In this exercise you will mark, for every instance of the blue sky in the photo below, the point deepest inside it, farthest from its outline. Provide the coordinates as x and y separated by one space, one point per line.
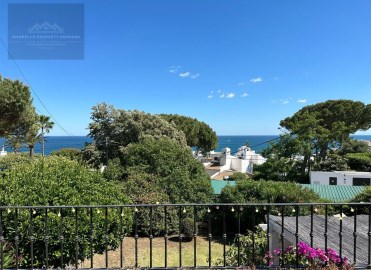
241 66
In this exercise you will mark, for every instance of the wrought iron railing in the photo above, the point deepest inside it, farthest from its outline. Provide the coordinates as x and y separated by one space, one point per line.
72 236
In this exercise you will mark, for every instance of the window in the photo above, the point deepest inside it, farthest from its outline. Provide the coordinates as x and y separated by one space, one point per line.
361 181
333 181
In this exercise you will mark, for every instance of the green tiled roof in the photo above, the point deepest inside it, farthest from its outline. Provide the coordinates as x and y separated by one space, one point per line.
218 185
335 193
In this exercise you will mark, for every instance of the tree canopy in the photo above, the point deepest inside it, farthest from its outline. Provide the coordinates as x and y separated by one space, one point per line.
178 174
113 129
328 123
16 108
311 137
198 134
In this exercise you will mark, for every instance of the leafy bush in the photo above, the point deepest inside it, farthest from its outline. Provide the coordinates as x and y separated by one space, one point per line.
263 192
8 256
238 176
174 170
10 160
333 162
353 146
246 253
71 153
359 161
57 181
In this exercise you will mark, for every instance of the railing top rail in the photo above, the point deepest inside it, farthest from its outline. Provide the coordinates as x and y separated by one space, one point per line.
183 205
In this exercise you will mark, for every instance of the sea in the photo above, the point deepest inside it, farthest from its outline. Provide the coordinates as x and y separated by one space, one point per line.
255 142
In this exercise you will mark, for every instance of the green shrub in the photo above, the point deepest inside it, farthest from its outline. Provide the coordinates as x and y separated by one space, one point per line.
11 159
359 161
263 192
71 153
57 181
246 252
8 256
238 176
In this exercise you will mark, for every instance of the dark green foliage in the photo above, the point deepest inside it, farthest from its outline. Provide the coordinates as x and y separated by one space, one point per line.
288 159
188 227
238 176
267 191
112 129
70 153
114 171
263 192
364 196
161 171
333 162
353 146
246 252
15 105
198 134
328 122
59 181
279 169
359 161
178 175
8 260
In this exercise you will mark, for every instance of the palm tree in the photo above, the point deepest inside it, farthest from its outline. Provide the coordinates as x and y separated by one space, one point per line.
32 137
15 141
46 125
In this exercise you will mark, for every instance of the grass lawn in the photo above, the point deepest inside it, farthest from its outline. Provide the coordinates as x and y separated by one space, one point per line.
159 253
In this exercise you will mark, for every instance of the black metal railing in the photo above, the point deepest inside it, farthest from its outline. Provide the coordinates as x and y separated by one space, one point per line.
112 236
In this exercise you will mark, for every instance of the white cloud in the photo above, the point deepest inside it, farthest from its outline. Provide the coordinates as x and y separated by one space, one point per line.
241 84
256 80
231 95
174 69
222 95
275 78
244 95
210 96
284 102
185 74
195 76
302 100
211 92
219 91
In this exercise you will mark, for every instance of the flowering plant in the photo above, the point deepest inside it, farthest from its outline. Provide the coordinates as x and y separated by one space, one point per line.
314 258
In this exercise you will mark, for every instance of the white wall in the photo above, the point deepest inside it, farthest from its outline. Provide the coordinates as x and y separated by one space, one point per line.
343 178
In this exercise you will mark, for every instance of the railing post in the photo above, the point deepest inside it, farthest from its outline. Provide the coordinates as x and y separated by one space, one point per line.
194 236
46 239
355 235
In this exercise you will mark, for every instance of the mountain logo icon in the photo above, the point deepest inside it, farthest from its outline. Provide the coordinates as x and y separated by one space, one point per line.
46 28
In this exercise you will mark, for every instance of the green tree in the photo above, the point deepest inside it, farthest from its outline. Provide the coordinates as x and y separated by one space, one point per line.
333 162
58 181
46 125
353 146
359 161
15 105
198 134
113 129
178 174
328 123
264 192
32 137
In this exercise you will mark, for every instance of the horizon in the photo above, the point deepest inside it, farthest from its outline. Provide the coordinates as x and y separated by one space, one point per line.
239 66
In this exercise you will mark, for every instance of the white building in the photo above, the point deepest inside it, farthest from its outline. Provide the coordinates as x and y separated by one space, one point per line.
242 161
3 152
340 178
